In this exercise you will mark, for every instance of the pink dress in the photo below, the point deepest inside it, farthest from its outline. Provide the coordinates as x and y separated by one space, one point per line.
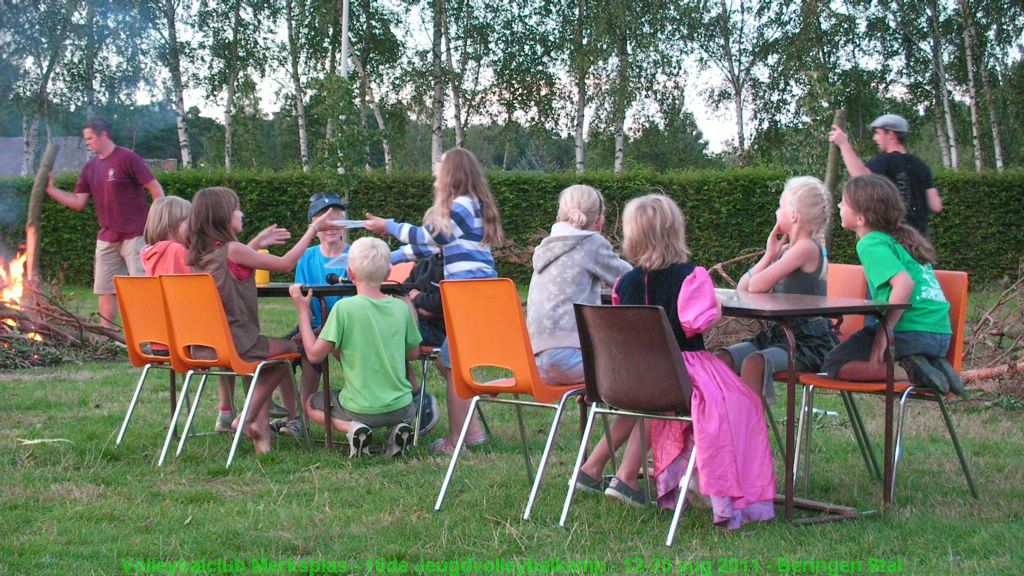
734 457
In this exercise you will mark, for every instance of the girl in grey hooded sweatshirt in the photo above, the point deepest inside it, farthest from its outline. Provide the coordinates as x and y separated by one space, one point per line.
569 266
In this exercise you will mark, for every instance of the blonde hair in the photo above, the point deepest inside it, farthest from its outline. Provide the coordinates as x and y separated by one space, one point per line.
812 201
165 217
459 174
654 232
581 206
369 259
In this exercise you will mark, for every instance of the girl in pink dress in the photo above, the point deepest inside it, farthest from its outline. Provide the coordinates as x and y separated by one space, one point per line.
733 453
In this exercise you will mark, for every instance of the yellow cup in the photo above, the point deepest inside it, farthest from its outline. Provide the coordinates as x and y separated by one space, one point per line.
262 276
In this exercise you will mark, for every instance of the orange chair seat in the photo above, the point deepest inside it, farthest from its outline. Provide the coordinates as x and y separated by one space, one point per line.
817 381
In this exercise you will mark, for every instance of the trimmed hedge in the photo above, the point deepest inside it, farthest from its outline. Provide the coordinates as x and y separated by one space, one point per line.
728 212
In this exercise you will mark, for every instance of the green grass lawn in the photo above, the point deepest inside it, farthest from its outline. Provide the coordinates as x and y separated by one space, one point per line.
75 504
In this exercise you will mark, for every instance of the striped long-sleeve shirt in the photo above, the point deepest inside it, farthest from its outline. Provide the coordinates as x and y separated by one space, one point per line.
465 254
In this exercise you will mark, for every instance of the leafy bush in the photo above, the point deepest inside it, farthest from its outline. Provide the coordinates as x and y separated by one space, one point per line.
729 212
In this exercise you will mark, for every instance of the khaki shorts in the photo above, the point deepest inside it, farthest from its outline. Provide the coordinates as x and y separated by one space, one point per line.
116 258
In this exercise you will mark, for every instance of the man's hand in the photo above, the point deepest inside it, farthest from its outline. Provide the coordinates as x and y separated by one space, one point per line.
837 136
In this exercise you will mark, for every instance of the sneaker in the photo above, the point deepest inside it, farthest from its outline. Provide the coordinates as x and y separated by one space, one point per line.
293 428
586 482
922 373
445 446
956 385
224 421
358 438
399 438
621 491
277 411
428 414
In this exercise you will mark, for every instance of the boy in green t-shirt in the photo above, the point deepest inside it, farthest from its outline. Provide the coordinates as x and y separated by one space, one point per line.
375 335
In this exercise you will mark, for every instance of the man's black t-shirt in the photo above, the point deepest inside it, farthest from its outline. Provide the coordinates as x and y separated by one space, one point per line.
913 178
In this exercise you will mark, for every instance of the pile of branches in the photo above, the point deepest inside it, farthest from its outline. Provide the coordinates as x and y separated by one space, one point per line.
994 346
41 331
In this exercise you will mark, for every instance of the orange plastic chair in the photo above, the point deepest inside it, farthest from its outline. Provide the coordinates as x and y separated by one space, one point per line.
140 300
195 316
486 328
399 272
954 285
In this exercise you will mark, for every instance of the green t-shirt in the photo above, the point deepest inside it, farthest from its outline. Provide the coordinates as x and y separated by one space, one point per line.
373 335
883 257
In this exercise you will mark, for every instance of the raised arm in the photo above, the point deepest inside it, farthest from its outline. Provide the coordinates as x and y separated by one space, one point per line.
854 165
73 200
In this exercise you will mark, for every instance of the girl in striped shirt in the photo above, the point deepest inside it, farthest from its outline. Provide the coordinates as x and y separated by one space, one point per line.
462 224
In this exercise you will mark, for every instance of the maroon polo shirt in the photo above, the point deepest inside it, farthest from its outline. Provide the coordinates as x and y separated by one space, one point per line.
115 184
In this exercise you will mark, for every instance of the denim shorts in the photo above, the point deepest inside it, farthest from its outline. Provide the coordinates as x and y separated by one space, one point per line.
444 358
560 366
858 347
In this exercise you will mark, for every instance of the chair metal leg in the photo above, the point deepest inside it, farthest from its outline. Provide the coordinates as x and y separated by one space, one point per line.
552 434
898 444
483 421
243 418
684 484
131 405
522 435
800 431
455 454
424 366
956 445
579 463
174 418
191 416
808 446
860 433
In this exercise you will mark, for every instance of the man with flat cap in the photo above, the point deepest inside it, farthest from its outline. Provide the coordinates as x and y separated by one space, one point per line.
911 175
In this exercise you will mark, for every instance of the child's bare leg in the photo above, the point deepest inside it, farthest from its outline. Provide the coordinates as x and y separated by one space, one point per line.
752 372
620 429
309 383
633 458
285 385
343 426
457 408
258 421
226 390
868 371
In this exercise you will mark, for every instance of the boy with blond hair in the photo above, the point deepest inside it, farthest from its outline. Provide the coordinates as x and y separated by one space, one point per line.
375 335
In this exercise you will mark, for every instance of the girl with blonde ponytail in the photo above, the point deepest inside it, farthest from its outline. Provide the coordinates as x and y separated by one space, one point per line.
794 262
569 266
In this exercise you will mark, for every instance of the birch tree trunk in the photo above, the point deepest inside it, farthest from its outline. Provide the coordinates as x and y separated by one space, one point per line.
940 131
229 100
294 56
91 51
972 90
56 52
581 70
993 120
455 81
375 107
621 88
940 70
438 100
174 61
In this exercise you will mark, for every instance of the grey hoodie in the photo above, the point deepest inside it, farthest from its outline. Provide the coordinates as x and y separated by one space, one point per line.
568 266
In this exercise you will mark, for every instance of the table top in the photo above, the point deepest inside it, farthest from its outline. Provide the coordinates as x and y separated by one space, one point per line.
279 289
770 305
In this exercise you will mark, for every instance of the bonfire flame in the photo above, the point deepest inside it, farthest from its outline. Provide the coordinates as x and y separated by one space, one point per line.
12 288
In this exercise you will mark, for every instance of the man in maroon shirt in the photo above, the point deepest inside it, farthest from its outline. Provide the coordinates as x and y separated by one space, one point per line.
115 178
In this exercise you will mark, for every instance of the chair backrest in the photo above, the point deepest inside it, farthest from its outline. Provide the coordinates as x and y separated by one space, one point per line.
954 286
631 358
140 299
486 328
847 280
399 272
195 317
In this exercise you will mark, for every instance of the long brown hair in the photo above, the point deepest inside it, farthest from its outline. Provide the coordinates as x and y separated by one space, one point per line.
878 200
460 174
210 222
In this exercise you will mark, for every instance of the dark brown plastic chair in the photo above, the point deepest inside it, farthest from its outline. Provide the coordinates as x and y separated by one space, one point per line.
633 367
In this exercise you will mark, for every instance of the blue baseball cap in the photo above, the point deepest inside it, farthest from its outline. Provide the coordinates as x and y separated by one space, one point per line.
324 200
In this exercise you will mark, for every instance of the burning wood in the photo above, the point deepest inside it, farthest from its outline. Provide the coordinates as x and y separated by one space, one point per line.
36 329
